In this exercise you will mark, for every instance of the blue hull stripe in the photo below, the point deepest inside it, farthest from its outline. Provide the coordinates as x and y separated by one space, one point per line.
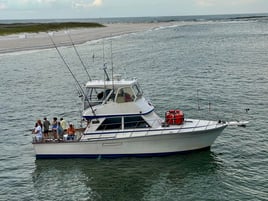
62 156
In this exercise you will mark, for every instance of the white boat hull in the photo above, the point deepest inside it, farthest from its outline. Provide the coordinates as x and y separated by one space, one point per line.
149 145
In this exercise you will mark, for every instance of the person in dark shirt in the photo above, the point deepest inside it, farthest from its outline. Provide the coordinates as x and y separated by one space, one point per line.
46 125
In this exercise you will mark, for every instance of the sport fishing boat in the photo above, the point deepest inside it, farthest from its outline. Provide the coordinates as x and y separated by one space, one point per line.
122 122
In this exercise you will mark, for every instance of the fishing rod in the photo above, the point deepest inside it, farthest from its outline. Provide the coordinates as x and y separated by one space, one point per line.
112 63
83 64
104 64
66 64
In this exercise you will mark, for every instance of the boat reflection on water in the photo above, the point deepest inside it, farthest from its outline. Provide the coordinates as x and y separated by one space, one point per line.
125 178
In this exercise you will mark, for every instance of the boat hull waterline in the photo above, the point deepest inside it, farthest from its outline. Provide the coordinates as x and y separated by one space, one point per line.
137 146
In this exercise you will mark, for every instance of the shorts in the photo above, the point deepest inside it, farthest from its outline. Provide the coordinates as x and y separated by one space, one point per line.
37 139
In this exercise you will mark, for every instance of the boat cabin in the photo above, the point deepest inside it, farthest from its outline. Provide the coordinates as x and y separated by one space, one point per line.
119 91
117 105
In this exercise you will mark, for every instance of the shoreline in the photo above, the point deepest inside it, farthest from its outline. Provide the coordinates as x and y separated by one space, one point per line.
41 40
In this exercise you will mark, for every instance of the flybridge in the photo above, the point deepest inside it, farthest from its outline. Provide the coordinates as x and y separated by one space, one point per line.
119 91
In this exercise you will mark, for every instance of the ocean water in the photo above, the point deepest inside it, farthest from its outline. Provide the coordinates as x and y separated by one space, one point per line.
211 69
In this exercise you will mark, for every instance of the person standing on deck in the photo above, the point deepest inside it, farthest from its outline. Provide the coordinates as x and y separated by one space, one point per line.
60 131
63 124
54 127
71 132
46 125
38 131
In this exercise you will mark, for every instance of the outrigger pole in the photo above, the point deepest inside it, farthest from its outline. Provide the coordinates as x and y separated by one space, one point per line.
104 64
112 63
72 74
78 55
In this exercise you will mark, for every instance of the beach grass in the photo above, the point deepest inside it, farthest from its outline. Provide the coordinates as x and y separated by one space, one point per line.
16 28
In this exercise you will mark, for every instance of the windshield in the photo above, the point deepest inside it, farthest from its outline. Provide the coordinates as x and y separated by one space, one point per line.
125 94
96 96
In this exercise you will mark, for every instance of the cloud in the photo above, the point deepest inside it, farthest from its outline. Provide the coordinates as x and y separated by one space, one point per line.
36 1
46 1
214 3
205 3
86 4
3 5
34 5
97 3
244 2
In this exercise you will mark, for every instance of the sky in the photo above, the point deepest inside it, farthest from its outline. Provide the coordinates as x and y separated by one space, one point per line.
66 9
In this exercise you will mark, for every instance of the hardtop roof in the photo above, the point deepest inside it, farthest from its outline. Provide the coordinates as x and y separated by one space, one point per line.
110 84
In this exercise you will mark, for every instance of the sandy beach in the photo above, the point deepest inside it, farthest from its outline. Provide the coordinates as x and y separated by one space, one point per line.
32 41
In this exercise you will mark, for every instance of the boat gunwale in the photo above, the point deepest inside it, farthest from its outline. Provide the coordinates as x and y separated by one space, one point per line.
221 126
211 127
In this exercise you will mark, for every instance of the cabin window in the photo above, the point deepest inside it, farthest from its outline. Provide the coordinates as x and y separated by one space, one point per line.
125 95
135 122
137 90
111 123
95 96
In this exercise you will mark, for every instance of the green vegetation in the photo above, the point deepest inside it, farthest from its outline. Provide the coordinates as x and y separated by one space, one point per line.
6 29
